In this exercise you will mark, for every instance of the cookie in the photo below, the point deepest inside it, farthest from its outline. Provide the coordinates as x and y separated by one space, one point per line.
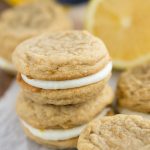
71 71
78 54
69 116
133 92
120 132
60 126
24 21
61 97
58 144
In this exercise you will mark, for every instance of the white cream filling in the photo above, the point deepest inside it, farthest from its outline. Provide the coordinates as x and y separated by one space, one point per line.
61 134
4 64
130 112
67 84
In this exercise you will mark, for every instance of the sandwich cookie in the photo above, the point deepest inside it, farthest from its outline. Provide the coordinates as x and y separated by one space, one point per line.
60 126
24 21
120 132
133 92
71 71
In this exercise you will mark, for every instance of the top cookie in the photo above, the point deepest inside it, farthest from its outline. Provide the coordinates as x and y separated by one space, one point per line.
120 132
61 56
134 89
25 21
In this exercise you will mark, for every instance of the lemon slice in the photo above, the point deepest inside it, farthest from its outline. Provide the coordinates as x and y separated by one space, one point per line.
18 2
124 26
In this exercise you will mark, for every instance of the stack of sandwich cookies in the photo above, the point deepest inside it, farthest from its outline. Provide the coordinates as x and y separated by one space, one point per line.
24 21
133 92
63 85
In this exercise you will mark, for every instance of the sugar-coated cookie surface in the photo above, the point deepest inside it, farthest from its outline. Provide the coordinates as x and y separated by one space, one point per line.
25 21
120 132
61 56
133 90
51 116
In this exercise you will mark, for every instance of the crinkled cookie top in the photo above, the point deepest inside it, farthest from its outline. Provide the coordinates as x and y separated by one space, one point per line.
134 88
25 21
60 56
120 132
34 16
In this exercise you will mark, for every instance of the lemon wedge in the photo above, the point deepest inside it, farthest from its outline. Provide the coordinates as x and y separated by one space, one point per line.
124 26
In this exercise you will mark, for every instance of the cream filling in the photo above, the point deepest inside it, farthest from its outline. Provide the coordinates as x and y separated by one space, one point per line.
61 134
130 112
67 84
5 65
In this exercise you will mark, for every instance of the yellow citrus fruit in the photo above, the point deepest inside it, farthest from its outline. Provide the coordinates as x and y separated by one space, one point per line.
17 2
124 26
